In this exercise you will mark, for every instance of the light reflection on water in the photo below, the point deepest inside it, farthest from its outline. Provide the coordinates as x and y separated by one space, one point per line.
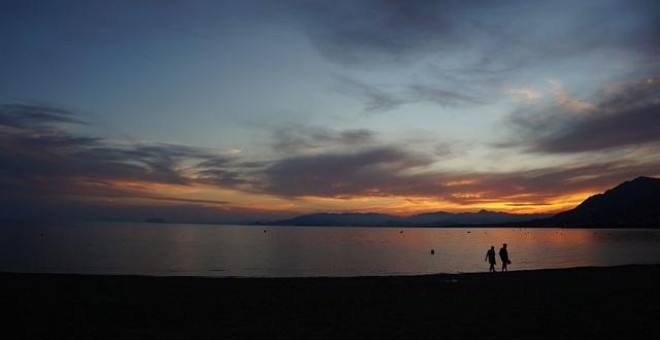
203 250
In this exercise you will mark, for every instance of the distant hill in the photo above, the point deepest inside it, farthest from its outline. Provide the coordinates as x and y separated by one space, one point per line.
632 204
435 219
483 217
343 219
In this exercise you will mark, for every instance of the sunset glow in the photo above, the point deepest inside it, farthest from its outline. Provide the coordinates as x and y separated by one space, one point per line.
230 111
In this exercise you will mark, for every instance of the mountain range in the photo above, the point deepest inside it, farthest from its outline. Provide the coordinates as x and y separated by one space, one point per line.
635 203
434 219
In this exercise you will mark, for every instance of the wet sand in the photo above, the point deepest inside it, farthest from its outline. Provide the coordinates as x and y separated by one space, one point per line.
616 302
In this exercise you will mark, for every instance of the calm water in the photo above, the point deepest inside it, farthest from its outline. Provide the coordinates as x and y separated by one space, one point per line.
205 250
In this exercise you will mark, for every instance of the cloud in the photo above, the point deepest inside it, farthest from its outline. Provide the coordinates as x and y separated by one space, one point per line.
34 145
184 200
41 158
457 53
623 116
221 176
442 96
524 95
379 99
357 31
498 34
450 149
525 188
373 172
114 210
299 139
540 185
394 172
30 115
78 176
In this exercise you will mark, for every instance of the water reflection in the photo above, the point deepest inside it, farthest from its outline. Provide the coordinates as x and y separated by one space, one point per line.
136 248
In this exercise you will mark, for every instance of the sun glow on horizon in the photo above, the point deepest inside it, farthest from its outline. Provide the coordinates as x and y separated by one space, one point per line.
140 192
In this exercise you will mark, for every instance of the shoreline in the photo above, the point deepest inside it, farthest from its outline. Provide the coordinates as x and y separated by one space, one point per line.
587 302
348 277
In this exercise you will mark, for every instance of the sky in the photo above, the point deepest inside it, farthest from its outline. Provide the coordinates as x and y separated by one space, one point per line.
227 111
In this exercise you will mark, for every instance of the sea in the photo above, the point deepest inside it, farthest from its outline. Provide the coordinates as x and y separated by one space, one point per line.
257 251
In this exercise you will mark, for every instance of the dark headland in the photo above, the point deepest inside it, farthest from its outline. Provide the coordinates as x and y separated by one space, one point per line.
585 303
631 204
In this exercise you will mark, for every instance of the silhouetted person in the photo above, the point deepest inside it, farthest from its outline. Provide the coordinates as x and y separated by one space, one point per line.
504 256
490 257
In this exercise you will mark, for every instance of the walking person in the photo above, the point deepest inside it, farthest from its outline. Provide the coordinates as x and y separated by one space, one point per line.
490 257
504 257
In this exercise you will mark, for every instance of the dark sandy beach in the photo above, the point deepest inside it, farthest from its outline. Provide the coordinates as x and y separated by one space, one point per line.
618 302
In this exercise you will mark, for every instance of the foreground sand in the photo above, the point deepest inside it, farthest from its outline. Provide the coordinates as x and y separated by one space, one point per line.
620 302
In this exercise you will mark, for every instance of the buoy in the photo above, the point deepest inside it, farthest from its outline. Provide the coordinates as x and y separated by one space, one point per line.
432 252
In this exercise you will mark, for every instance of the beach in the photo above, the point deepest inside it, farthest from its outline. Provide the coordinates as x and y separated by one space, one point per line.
608 302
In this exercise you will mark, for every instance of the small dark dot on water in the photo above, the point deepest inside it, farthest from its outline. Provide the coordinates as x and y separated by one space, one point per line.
401 232
469 232
432 252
